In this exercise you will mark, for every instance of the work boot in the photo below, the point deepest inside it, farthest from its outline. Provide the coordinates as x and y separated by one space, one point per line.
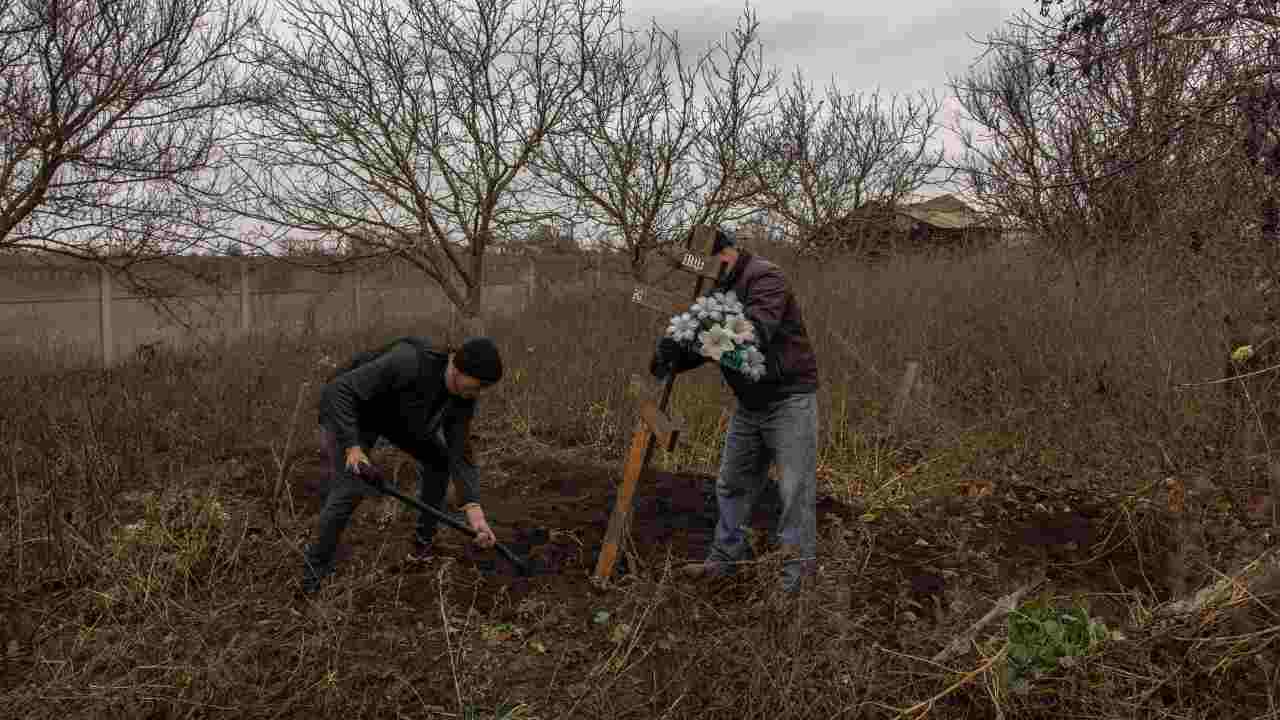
422 549
703 571
796 572
313 578
310 586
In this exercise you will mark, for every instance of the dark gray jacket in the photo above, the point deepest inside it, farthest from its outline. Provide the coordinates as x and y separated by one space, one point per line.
401 395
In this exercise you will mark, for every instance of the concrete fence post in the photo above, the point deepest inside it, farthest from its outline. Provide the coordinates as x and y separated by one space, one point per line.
906 388
246 321
531 284
357 289
105 332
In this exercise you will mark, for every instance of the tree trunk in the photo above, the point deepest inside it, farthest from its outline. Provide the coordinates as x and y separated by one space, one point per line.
473 323
638 266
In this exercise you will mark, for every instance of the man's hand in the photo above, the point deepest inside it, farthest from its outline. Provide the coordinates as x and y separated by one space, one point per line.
475 518
664 358
357 461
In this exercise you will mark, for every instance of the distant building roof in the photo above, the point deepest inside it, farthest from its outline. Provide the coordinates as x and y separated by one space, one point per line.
947 212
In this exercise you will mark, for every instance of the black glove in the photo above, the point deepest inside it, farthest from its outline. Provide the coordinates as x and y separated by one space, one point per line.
664 358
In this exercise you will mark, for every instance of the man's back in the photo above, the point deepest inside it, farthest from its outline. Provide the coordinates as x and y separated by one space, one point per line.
400 395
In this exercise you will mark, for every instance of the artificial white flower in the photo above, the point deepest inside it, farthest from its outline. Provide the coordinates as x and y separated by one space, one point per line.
715 309
716 341
754 365
683 328
727 302
743 331
701 308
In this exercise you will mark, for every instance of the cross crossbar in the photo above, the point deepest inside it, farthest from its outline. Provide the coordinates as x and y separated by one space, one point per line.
658 300
665 428
656 428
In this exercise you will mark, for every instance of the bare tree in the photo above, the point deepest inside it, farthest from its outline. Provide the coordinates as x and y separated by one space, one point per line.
660 145
1008 159
737 98
626 163
410 127
823 159
112 123
1125 141
1237 37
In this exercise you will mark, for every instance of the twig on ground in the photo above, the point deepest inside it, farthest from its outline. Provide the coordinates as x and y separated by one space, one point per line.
1003 607
1221 381
282 462
444 621
927 705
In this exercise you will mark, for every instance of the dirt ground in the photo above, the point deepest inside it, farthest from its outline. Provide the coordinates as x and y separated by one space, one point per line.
413 638
554 512
893 577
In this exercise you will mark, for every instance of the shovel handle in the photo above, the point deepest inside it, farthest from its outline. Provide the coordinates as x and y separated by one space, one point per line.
452 522
418 505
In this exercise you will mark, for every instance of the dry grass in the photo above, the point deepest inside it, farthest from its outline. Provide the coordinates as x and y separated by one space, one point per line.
145 526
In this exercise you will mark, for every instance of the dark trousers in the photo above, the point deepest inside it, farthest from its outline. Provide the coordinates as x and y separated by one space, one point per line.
345 493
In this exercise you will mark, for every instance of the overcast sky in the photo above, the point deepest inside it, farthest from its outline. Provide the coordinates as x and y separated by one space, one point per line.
900 46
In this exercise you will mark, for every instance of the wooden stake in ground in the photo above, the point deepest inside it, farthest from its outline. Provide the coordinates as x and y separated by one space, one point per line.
656 426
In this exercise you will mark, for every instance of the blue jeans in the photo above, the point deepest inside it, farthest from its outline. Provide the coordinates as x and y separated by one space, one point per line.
786 433
345 493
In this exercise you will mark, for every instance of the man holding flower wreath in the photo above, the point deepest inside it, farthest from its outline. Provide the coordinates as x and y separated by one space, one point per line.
751 326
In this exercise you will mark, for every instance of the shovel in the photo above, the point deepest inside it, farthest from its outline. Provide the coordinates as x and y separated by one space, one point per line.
375 479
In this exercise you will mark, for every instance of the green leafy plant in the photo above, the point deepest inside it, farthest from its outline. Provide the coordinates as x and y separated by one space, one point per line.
1041 636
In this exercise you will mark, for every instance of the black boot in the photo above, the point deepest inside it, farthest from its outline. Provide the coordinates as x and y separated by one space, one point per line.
421 548
313 577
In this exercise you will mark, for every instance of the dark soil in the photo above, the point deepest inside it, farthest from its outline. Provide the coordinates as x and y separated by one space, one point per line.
900 581
935 560
555 515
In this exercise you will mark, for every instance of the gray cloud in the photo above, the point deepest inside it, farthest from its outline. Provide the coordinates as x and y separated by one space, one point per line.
906 45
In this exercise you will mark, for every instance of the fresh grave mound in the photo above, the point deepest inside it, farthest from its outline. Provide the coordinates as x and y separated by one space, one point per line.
555 514
561 527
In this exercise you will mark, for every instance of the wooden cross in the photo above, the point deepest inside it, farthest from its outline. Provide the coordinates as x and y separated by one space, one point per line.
656 424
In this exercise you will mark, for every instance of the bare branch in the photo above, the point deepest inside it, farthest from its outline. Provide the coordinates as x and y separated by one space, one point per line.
626 164
825 157
112 123
737 88
1118 124
411 127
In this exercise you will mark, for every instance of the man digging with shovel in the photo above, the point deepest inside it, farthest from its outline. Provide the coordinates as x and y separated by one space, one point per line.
422 401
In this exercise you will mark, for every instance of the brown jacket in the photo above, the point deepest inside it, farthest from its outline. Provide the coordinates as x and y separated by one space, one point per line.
791 367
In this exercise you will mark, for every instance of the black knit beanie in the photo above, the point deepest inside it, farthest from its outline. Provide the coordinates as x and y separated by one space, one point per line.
479 358
724 239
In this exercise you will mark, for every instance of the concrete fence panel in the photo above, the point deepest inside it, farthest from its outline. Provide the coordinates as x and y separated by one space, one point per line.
83 310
